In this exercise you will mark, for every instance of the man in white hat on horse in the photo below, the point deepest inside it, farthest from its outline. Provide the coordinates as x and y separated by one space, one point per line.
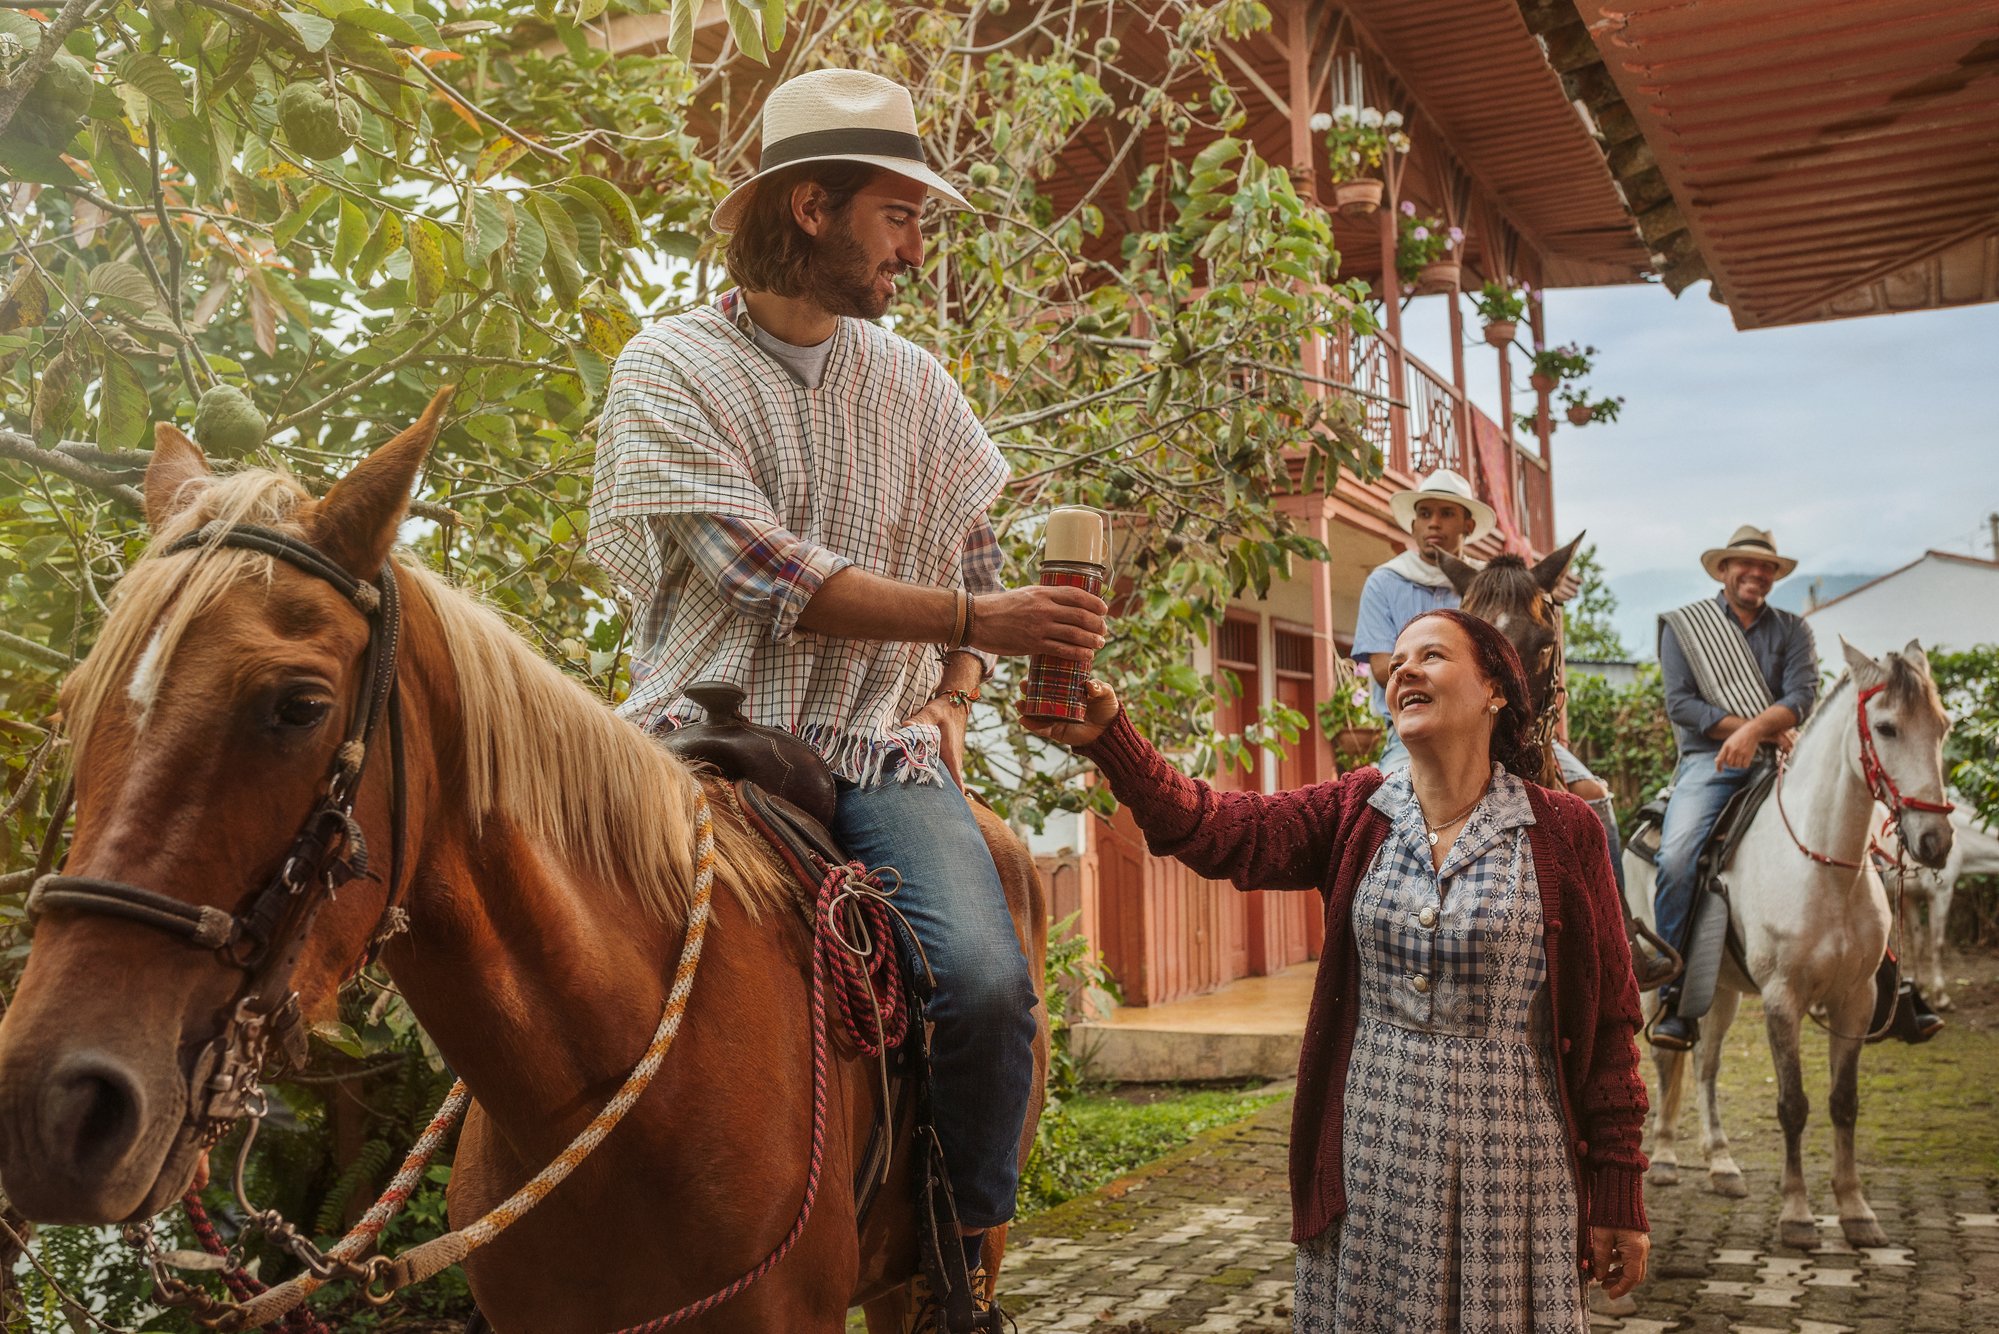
1740 676
1443 515
796 499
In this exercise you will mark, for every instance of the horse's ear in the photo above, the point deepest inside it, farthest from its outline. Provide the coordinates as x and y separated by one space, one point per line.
1556 563
177 462
355 524
1867 673
1460 573
1913 651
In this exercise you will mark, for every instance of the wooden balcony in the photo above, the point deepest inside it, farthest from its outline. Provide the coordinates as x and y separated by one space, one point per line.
1421 421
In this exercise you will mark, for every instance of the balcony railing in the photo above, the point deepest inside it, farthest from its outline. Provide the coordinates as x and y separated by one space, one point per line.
1432 434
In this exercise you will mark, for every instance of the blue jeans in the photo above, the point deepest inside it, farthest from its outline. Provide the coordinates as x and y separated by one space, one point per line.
1699 793
982 1052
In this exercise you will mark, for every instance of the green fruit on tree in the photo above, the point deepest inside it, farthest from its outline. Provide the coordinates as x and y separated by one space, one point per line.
55 107
226 422
1107 48
984 175
996 6
316 125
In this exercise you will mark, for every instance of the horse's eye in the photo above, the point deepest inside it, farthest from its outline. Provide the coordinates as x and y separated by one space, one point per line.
1887 730
300 712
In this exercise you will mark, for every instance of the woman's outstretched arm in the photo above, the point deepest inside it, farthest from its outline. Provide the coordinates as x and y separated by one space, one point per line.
1283 841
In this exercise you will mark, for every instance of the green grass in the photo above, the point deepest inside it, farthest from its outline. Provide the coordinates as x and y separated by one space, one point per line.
1097 1137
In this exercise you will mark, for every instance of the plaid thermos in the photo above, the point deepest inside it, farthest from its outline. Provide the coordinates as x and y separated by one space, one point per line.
1075 553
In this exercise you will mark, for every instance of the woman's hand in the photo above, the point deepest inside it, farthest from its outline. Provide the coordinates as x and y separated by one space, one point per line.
1617 1257
1100 708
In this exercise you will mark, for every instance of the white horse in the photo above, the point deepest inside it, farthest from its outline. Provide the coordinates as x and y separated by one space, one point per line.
1813 927
1926 894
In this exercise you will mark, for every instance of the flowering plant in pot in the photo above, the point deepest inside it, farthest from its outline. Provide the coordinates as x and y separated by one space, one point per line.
1348 719
1502 307
1358 141
1424 250
1553 365
1582 409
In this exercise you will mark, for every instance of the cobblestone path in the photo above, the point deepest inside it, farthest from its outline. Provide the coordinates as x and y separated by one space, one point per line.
1199 1242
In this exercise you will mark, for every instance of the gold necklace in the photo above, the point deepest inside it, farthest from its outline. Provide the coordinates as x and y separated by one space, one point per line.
1435 829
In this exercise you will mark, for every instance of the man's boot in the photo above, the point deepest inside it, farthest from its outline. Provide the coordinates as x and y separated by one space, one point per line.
1899 1009
1668 1030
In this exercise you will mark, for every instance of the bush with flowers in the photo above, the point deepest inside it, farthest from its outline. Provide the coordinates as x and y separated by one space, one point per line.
1348 719
1567 362
1359 140
1422 240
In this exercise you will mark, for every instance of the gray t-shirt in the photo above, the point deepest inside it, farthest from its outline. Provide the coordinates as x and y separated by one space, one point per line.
806 364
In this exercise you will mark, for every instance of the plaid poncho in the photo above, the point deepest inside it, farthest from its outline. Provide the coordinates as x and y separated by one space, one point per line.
883 464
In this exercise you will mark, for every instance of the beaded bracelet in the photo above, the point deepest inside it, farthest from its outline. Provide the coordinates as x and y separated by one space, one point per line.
964 699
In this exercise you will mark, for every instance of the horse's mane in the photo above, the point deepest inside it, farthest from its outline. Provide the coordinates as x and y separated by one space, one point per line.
540 750
1505 584
1908 687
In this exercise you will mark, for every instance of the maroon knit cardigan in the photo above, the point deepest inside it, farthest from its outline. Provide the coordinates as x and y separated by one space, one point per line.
1325 837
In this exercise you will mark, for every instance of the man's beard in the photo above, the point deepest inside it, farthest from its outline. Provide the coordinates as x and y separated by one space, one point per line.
839 278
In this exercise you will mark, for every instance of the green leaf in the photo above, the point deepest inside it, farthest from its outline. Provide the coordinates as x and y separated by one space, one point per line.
339 1037
385 240
313 30
24 160
425 242
563 265
774 17
241 60
351 235
593 369
526 248
744 25
681 39
395 27
310 203
157 80
608 326
485 228
620 217
123 412
123 284
496 157
586 10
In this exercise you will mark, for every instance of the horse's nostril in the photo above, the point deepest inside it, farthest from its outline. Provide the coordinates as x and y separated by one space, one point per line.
94 1113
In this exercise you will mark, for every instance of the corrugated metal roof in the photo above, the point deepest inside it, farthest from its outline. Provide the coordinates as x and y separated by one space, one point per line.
1831 157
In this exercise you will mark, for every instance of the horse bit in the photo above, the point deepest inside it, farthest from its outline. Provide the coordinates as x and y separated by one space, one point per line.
264 941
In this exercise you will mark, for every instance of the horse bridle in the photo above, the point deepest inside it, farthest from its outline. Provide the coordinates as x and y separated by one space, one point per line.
1880 785
265 939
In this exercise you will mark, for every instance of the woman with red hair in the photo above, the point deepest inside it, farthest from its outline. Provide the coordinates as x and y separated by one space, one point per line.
1465 1140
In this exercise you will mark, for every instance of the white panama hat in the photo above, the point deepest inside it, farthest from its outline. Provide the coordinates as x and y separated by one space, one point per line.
836 115
1751 542
1443 484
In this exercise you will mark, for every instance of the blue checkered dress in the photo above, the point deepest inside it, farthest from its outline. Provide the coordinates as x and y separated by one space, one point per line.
1461 1210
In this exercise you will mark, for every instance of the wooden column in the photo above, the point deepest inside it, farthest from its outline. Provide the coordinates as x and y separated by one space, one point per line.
1325 652
1544 421
1398 378
1461 410
1512 452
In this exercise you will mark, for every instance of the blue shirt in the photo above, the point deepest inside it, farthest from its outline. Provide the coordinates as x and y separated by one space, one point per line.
1387 603
1783 647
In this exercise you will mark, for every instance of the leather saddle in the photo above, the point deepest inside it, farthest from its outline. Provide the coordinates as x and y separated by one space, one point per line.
740 750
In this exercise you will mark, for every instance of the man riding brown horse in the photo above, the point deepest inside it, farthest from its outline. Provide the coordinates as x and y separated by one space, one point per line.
796 498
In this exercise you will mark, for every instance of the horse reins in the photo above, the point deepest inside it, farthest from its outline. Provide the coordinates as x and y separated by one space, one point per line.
1880 785
264 940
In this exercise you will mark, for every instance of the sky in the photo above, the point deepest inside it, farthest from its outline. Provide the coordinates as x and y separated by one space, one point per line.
1859 443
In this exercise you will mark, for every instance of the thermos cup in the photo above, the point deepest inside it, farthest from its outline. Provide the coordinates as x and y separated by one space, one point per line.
1075 553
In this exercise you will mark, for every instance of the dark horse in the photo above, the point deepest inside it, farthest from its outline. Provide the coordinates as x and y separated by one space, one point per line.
548 886
1520 601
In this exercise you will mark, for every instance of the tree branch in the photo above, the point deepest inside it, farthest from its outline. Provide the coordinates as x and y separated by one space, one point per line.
443 85
27 650
24 450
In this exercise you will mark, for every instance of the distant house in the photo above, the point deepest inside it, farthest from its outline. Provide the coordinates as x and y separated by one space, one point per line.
1617 673
1943 598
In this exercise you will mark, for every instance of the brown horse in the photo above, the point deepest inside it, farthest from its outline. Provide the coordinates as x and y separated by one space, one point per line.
1520 602
549 862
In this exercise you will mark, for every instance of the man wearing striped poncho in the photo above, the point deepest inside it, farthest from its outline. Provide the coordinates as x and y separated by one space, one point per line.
1740 675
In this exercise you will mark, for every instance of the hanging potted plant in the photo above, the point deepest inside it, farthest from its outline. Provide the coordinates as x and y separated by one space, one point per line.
1425 251
1501 306
1349 721
1358 141
1554 365
1582 409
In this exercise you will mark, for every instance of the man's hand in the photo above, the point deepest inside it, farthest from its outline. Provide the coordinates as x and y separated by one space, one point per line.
1738 751
1100 708
1617 1257
1065 622
1566 589
1787 739
949 719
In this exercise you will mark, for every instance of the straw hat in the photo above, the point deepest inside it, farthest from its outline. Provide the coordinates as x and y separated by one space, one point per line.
1443 484
837 115
1753 542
